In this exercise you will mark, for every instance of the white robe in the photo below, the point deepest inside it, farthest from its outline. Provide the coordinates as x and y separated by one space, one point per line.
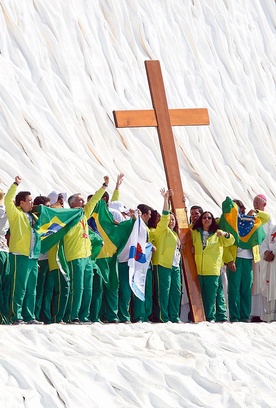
270 245
259 290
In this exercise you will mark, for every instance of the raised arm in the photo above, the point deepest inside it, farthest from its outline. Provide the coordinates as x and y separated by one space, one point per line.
116 192
10 206
166 194
89 207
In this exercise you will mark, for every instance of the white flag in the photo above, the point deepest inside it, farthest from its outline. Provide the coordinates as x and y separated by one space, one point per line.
139 258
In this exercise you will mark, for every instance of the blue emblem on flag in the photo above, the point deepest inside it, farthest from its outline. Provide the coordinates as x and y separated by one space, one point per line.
51 230
245 224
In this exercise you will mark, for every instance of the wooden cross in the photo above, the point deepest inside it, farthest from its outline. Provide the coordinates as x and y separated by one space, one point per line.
163 119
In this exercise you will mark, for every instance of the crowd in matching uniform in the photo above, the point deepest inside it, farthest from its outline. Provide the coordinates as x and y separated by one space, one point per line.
71 285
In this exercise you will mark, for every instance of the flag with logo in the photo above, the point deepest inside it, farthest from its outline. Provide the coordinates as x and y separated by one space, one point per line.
114 237
247 229
53 224
139 258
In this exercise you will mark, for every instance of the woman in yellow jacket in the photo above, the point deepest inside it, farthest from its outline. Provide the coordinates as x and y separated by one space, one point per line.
166 262
208 242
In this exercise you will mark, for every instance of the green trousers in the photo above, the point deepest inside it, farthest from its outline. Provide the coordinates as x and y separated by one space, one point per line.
209 287
143 310
221 313
4 287
240 290
96 304
23 287
81 283
55 297
124 292
109 272
43 268
168 283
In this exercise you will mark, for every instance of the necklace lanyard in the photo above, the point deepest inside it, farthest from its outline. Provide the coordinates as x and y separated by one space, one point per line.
84 234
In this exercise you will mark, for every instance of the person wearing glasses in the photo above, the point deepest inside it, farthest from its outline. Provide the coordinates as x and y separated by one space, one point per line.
208 244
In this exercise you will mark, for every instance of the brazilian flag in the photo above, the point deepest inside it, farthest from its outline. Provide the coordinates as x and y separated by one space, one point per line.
53 224
115 237
96 243
247 229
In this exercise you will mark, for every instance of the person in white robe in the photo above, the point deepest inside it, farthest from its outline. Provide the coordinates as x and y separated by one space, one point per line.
259 289
269 246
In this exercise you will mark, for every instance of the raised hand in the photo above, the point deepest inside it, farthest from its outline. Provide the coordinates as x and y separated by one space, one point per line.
120 179
163 192
18 179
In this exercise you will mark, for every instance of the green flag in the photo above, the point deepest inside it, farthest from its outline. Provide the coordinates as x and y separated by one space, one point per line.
53 224
246 229
115 237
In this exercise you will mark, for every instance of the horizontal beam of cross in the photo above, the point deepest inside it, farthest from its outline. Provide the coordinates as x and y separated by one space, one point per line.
147 118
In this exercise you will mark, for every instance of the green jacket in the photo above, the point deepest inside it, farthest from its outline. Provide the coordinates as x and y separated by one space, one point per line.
165 241
20 228
209 260
77 244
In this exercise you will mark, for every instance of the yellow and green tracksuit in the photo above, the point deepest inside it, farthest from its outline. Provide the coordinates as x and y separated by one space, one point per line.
24 248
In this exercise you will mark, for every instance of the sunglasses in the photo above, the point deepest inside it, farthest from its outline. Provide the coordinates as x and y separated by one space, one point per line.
206 218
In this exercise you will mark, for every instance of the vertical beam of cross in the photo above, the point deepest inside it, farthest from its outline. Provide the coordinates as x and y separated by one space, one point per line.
163 119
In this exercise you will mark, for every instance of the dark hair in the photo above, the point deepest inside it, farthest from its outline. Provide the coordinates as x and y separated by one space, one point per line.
195 207
176 227
239 203
105 197
21 196
41 200
152 222
144 208
198 224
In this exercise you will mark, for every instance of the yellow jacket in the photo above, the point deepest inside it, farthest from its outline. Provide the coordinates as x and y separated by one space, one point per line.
165 241
230 254
209 260
77 244
20 229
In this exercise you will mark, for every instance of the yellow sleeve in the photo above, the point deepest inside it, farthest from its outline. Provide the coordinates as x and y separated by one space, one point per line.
89 207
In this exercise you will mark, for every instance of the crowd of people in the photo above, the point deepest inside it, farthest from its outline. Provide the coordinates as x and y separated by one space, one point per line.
82 279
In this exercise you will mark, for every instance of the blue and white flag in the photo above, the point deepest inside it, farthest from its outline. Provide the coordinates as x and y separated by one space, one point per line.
139 258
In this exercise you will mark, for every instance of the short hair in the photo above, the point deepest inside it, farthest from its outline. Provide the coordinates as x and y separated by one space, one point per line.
21 196
72 199
144 208
89 197
239 203
197 207
41 200
2 193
